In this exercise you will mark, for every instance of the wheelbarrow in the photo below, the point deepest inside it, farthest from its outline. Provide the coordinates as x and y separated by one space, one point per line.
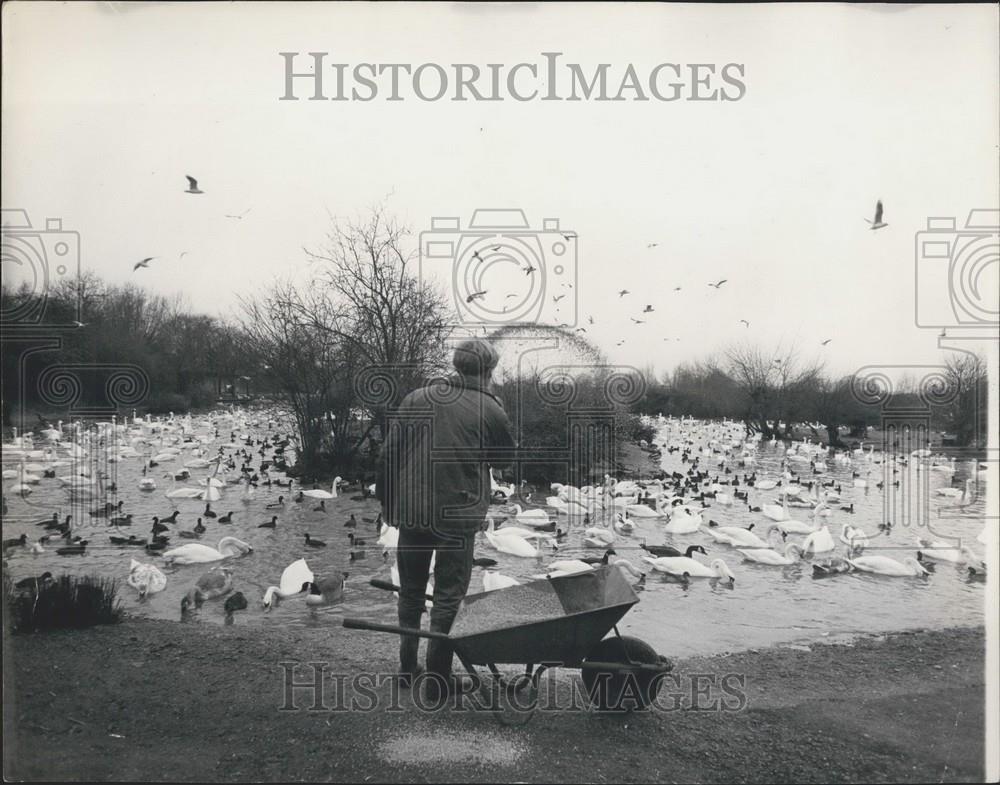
547 623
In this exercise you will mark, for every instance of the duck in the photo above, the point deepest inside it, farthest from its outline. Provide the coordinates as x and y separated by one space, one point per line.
214 583
276 505
484 561
832 566
314 543
295 580
326 591
16 541
355 541
196 553
199 527
690 568
208 512
159 527
792 554
668 550
883 565
122 520
321 507
271 524
75 549
351 523
34 583
227 518
234 602
146 578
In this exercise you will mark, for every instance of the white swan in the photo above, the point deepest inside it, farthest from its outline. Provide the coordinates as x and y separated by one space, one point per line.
388 537
853 537
684 566
214 583
792 554
512 543
146 578
734 535
534 517
623 525
883 565
820 541
316 493
938 550
595 537
682 521
494 580
196 553
643 511
766 485
181 491
777 512
295 580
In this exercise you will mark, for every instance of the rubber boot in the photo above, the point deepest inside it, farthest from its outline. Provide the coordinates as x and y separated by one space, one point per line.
409 647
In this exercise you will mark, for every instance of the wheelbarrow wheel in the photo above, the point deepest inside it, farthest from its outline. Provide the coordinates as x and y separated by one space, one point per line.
622 690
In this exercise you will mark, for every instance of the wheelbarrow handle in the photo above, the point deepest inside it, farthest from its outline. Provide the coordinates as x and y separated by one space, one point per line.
378 583
363 624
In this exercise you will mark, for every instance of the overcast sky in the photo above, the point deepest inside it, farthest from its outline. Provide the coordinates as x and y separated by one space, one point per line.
108 106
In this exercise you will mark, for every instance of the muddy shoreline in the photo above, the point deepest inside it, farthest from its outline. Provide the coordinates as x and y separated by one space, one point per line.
151 700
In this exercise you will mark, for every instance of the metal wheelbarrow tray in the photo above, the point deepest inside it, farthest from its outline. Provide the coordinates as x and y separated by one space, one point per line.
553 622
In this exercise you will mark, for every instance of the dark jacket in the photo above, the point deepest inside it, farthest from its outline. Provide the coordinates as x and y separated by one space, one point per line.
439 446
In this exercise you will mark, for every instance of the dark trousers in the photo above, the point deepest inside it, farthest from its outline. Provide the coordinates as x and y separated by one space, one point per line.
452 572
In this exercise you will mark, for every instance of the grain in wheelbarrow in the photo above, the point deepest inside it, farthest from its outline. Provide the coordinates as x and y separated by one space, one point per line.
505 608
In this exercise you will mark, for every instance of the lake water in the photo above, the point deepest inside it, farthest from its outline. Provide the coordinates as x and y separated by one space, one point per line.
767 605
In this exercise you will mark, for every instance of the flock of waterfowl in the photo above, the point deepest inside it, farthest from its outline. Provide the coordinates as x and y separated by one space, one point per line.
715 466
81 461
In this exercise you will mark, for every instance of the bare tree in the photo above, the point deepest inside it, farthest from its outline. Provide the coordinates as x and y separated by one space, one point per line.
965 414
773 383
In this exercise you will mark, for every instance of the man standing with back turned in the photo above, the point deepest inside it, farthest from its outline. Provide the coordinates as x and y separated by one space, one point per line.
435 486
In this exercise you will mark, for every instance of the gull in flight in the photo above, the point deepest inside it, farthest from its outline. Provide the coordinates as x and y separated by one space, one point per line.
637 321
475 255
652 245
623 292
529 270
509 296
79 324
581 329
648 309
144 263
590 319
192 186
240 216
877 223
495 248
744 321
677 288
569 237
557 299
183 254
717 285
824 343
476 296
